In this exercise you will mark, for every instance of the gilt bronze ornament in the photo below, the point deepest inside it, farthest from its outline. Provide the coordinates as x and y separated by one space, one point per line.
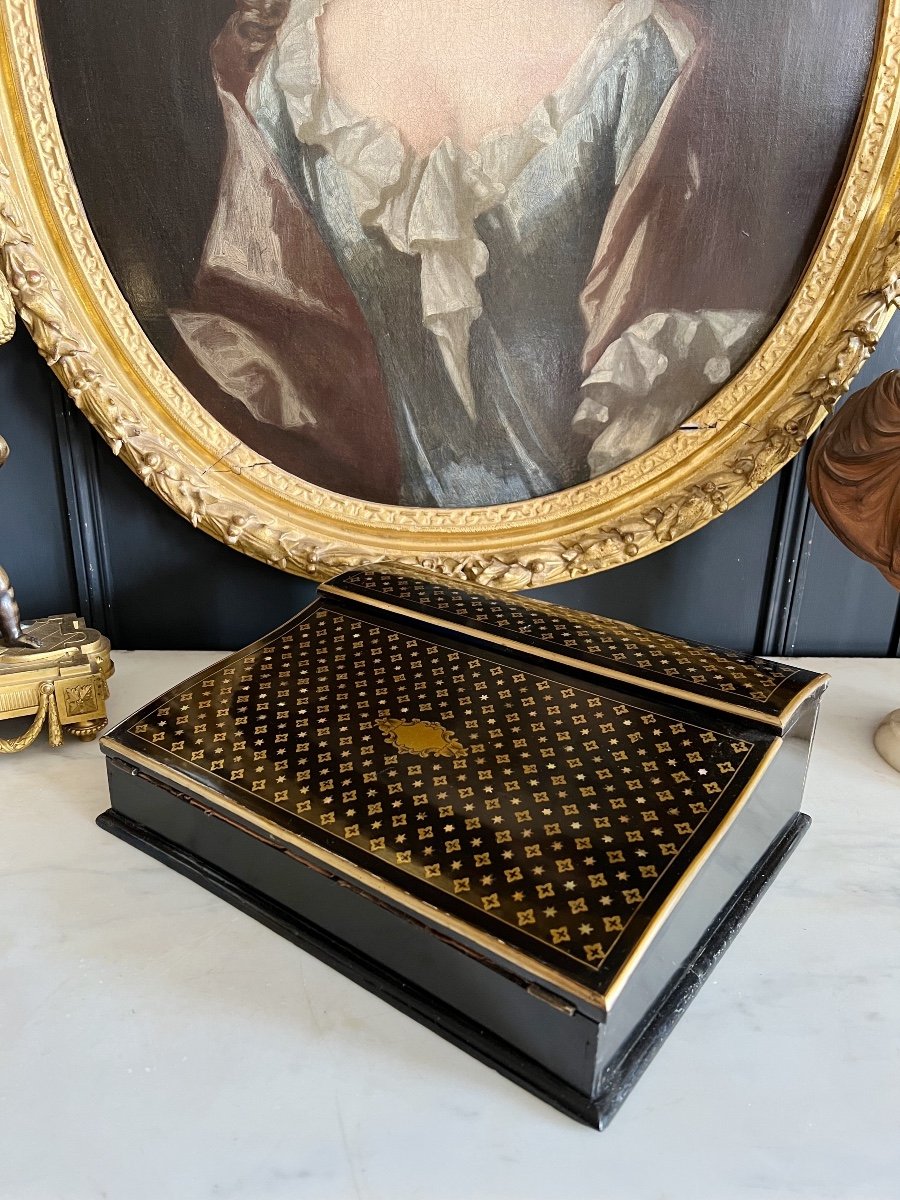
54 670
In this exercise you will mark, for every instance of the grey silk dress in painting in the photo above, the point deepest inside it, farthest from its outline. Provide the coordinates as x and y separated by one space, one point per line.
468 268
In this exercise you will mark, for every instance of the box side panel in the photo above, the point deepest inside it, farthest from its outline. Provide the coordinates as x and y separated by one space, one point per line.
559 1043
773 805
620 1075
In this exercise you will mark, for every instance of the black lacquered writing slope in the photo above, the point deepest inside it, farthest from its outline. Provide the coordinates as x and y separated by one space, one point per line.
533 830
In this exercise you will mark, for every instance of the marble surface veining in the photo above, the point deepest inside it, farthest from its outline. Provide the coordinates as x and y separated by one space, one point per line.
155 1044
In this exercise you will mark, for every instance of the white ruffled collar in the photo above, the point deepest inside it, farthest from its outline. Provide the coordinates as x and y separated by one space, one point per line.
428 205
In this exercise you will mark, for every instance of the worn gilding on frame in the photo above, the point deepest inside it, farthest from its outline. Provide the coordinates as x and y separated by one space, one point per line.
67 298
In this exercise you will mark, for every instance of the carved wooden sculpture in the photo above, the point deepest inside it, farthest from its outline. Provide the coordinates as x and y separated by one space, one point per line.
854 482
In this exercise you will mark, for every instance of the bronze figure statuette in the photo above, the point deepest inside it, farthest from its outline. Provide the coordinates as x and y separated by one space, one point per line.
10 627
53 670
854 482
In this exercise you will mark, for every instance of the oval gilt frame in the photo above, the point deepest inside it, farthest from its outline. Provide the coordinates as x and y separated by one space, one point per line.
83 326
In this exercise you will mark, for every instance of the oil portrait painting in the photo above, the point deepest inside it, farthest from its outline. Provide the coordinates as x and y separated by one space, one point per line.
456 253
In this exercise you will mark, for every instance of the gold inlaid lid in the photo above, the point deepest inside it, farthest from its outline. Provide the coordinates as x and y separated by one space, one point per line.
771 692
546 821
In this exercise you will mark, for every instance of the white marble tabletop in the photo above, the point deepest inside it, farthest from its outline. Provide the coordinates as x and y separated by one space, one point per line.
156 1044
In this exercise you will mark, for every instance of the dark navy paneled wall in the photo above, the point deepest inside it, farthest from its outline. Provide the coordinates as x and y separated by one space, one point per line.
79 532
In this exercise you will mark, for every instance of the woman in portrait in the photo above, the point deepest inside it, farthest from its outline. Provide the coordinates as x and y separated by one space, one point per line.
467 253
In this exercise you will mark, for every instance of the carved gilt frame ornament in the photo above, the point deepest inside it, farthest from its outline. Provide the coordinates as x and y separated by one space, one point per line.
67 298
